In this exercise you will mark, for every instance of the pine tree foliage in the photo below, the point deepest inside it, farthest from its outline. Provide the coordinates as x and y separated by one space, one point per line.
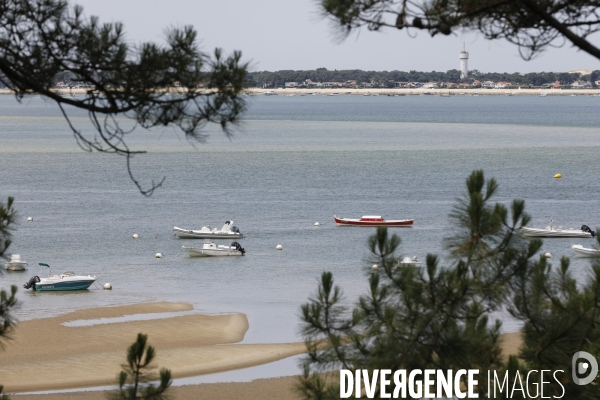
440 316
8 301
137 372
41 40
532 25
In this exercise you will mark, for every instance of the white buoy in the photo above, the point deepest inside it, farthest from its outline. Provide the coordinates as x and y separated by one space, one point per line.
375 267
317 224
107 286
29 219
135 236
158 255
279 247
548 255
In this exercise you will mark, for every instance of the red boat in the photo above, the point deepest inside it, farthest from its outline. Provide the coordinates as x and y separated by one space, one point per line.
372 220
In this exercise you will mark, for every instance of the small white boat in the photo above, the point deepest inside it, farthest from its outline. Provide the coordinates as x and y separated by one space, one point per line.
65 281
411 261
228 231
584 251
212 250
551 231
15 263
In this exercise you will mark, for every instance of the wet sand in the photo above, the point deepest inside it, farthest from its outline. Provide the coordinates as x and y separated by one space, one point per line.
260 389
46 355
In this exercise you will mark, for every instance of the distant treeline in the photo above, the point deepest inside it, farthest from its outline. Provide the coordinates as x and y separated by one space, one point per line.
389 78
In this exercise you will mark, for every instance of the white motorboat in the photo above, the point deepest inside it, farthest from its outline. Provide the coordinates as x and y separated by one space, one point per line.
212 250
228 231
15 263
411 261
65 281
551 231
584 251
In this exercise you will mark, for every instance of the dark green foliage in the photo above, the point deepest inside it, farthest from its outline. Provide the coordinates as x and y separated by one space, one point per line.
42 40
439 317
7 301
7 219
532 25
137 372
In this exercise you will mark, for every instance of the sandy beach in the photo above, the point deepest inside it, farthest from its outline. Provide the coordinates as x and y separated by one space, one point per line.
46 354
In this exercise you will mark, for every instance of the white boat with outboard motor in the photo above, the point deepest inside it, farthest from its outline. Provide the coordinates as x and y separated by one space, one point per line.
15 263
212 250
551 231
65 281
228 231
585 251
411 261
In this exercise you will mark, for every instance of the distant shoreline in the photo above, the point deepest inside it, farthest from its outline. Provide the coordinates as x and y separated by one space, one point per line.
391 92
439 92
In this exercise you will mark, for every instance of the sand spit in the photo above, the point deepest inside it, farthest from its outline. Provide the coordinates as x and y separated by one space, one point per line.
260 389
46 355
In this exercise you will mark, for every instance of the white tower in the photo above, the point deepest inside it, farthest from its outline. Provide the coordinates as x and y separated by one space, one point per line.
464 59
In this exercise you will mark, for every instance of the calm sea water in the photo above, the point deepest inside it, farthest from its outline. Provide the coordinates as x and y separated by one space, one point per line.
293 161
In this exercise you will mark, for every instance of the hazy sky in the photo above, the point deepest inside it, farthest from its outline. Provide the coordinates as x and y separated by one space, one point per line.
290 34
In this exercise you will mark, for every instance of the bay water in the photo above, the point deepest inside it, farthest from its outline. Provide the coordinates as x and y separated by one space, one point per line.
293 161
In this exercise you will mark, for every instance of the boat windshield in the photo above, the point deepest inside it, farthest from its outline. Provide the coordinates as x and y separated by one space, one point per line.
69 273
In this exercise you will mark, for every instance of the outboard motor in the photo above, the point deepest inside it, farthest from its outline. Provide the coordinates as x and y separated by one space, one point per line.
235 229
32 282
238 247
586 228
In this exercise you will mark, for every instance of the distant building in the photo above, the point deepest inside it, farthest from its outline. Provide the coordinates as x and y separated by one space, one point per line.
502 85
581 84
291 84
464 59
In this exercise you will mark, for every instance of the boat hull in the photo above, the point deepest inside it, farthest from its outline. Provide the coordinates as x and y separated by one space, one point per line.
197 252
357 222
585 252
64 286
191 234
561 233
15 266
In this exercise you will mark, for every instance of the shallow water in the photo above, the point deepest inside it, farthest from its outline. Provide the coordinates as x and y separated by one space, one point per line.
294 161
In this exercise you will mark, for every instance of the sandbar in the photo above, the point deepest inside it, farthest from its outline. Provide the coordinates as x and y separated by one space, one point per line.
44 354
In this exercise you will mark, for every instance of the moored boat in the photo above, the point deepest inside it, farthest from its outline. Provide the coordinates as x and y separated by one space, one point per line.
63 282
411 261
372 220
584 251
551 231
228 231
212 250
15 263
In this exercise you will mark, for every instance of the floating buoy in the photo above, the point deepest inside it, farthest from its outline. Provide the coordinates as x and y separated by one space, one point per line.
279 247
317 224
135 236
558 176
107 286
158 255
548 255
29 219
375 267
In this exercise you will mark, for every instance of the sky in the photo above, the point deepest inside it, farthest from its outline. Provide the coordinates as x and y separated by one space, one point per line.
291 34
